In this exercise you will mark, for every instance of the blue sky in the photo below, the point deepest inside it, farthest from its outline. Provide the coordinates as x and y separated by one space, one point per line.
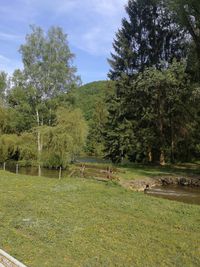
90 25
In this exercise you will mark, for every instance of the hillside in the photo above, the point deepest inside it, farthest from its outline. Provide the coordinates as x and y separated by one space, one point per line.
86 96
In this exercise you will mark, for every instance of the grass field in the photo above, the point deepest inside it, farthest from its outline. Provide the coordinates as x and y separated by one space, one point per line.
82 222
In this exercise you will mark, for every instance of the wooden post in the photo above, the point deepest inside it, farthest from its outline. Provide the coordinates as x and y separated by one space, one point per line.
17 168
82 170
4 166
108 172
60 173
39 170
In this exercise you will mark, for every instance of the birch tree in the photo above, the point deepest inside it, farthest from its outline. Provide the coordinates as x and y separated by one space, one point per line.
48 69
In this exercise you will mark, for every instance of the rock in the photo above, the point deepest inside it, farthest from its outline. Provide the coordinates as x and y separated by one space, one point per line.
145 184
184 181
139 185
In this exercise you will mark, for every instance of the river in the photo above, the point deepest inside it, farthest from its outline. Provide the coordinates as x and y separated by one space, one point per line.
176 192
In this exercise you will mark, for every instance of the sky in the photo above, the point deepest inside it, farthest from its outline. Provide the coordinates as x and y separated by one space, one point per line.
90 25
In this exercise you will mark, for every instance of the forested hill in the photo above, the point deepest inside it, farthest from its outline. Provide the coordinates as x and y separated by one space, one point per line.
88 95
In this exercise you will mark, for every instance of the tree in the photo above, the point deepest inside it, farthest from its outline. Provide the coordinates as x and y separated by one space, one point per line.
165 111
47 62
20 100
154 118
47 70
188 16
8 146
148 37
64 141
95 141
3 85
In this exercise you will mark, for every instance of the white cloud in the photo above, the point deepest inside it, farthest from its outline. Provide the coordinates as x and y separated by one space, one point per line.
22 11
9 65
94 21
109 7
101 20
95 41
9 36
4 59
102 7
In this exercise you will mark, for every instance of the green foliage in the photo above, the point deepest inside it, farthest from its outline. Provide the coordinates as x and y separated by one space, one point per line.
63 142
8 146
164 113
17 147
148 37
153 118
95 141
153 115
117 132
27 148
87 96
188 15
47 62
3 84
22 108
91 99
3 119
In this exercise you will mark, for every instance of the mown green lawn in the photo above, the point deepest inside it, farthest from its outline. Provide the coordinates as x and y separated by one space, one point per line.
81 222
138 171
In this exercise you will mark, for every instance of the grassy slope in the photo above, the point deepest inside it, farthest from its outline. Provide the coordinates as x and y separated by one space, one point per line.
77 222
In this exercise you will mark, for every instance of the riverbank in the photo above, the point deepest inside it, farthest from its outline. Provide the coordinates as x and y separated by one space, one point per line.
83 222
136 177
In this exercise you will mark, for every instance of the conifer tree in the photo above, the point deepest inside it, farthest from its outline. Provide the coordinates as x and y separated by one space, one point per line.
149 37
187 14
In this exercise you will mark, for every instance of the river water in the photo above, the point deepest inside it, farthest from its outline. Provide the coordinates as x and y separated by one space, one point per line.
33 171
176 192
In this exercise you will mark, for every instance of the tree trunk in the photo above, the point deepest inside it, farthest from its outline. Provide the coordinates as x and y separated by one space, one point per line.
171 137
60 173
172 144
149 153
39 170
162 157
17 168
39 143
161 127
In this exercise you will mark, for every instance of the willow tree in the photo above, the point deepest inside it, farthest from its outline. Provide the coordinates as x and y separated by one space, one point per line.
8 146
66 139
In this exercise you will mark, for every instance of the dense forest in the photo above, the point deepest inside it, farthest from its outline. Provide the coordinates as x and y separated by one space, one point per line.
148 110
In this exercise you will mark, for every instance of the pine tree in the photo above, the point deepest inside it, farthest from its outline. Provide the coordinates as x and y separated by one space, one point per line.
149 37
188 16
